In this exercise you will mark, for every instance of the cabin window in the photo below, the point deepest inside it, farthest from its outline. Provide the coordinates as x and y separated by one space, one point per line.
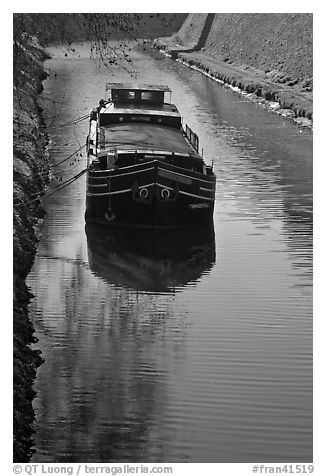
146 96
152 96
123 95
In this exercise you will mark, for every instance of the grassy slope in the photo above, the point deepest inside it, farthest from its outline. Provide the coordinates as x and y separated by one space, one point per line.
271 41
266 54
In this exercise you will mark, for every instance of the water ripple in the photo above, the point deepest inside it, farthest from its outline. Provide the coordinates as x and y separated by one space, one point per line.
197 349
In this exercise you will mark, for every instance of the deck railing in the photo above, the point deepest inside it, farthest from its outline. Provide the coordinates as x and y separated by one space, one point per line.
192 137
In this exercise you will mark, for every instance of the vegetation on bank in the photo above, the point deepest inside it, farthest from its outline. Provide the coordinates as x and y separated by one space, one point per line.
30 175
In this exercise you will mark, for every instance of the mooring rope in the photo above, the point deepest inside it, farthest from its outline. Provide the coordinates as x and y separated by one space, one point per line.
74 121
57 188
65 184
69 156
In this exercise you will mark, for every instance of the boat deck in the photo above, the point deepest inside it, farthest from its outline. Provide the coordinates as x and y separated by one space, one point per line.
134 136
142 108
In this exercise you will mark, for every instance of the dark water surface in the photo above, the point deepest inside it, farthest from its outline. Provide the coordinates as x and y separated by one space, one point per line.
189 348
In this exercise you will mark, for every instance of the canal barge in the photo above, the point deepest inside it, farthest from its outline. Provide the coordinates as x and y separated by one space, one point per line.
144 168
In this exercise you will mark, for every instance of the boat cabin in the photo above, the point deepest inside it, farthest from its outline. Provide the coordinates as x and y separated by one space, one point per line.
136 103
122 94
136 124
136 94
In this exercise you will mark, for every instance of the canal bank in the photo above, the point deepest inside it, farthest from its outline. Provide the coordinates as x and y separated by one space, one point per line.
267 56
30 176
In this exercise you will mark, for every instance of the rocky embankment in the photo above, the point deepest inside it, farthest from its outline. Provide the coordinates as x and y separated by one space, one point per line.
30 176
266 55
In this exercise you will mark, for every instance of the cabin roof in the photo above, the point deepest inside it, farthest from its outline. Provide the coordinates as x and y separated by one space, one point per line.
136 86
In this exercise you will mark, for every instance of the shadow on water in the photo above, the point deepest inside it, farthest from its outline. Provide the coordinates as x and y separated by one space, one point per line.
150 261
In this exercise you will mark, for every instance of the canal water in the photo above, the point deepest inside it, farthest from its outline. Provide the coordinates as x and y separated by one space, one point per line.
177 348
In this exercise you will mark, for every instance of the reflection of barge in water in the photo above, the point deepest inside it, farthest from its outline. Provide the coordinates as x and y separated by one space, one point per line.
144 168
152 261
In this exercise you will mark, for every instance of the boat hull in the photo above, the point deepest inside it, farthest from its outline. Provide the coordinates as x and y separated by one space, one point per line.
150 195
